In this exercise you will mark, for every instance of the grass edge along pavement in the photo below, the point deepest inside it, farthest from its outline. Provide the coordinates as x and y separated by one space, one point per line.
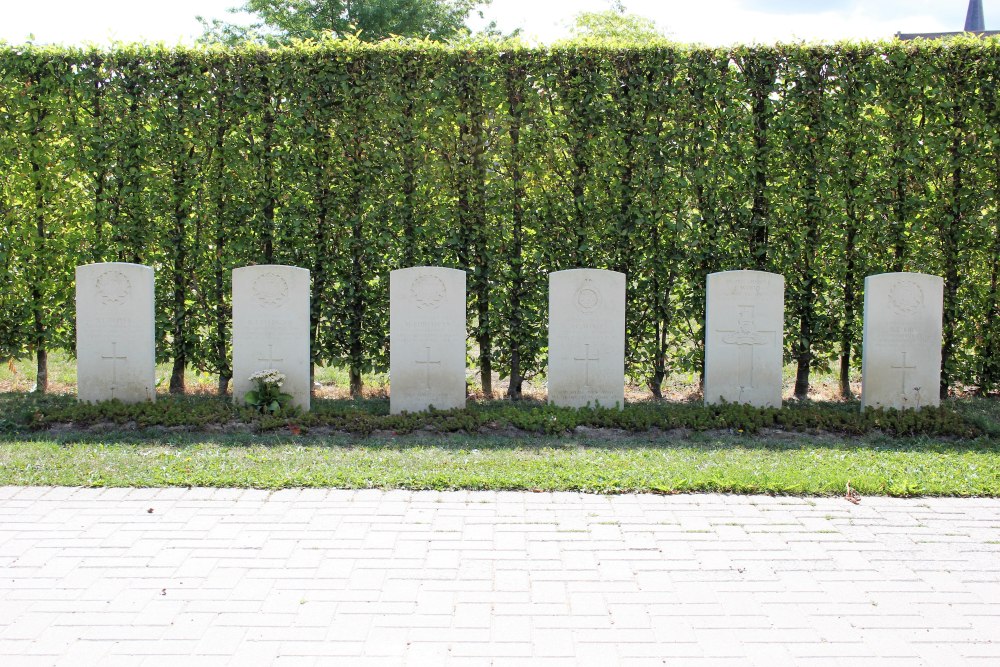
700 462
483 448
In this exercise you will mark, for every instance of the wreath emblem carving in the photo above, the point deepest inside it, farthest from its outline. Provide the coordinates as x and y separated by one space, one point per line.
428 292
270 290
113 288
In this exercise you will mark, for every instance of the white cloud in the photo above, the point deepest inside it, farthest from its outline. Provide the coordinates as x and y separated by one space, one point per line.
79 21
731 21
706 21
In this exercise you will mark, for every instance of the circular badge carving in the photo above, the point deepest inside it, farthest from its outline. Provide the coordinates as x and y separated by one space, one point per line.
113 288
588 297
906 296
270 290
428 292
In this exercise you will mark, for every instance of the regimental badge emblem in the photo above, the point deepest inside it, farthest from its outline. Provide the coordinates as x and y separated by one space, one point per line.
906 297
113 288
270 290
428 292
588 297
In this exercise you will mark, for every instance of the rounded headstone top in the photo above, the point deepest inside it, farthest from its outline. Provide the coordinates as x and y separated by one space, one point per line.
585 271
904 294
904 274
133 264
270 286
108 266
284 268
744 283
443 270
747 272
114 283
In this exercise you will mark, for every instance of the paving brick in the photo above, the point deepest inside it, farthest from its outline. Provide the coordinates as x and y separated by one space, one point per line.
371 577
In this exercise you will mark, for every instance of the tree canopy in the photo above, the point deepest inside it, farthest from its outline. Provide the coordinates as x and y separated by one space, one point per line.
283 21
615 24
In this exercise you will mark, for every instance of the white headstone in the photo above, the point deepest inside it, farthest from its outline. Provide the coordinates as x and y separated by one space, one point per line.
115 333
901 358
587 338
271 328
426 339
744 322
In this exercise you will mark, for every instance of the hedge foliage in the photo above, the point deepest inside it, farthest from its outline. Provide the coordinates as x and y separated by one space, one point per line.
822 163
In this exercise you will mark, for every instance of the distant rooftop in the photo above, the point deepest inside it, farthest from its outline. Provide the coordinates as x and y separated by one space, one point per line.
975 23
907 36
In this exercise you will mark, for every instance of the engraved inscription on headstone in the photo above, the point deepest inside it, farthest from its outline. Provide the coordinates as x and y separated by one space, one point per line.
426 339
271 328
744 319
115 344
587 338
901 357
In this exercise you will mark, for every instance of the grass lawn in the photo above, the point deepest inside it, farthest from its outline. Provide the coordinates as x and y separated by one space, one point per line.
778 464
203 441
678 446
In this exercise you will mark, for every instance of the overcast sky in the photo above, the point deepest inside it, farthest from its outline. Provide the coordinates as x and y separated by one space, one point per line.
705 21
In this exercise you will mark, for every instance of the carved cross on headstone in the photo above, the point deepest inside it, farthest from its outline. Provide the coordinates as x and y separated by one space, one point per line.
270 358
586 358
746 337
114 357
903 367
427 367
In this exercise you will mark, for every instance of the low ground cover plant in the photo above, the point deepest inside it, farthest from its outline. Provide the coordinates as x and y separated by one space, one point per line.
365 417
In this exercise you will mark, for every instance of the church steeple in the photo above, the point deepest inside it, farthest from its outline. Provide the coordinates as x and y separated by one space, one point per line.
974 21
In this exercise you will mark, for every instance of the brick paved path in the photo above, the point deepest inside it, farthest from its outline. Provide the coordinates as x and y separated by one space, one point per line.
144 576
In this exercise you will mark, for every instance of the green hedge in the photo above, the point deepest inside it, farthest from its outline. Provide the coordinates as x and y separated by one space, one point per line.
825 164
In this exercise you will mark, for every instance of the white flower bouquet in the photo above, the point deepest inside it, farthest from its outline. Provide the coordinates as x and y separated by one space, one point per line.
267 398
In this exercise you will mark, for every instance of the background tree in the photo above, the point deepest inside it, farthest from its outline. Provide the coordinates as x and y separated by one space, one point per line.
615 24
282 21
